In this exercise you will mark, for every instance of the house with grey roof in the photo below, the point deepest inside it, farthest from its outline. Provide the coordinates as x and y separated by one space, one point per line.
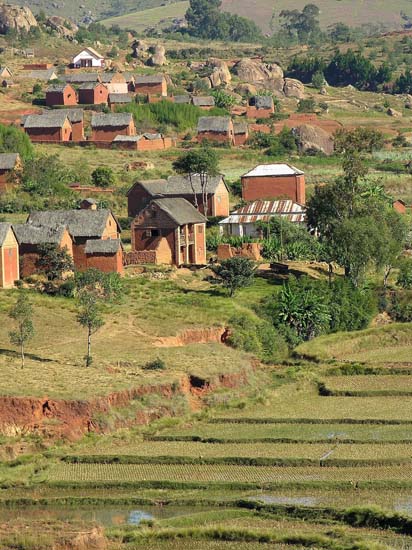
189 188
115 82
260 106
119 99
9 256
153 84
203 102
105 127
82 78
10 167
105 255
215 128
50 126
44 75
61 94
182 99
169 231
93 93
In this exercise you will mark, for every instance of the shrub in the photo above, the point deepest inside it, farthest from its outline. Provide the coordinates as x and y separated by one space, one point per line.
234 273
103 176
405 274
157 364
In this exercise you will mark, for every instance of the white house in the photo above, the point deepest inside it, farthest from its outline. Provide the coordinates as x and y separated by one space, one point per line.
242 222
88 58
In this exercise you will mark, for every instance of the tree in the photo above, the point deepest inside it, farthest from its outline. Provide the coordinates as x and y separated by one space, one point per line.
46 176
304 24
355 69
89 317
223 99
358 140
235 273
22 314
202 162
103 176
13 140
54 261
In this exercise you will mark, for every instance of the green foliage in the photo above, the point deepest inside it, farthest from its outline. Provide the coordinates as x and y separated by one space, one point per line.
89 317
103 176
257 336
275 145
22 314
105 286
318 80
302 24
403 84
205 20
305 68
234 273
306 106
54 261
358 140
47 177
13 140
355 69
405 273
223 99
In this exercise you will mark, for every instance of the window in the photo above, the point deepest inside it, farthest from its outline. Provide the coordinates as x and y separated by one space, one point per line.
152 233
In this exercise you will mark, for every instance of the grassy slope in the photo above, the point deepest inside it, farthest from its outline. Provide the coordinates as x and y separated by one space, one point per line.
141 20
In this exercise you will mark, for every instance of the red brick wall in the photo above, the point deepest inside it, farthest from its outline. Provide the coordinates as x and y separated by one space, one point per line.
255 188
137 199
67 97
253 112
28 260
108 263
48 134
77 131
241 139
151 89
99 95
215 136
4 175
399 207
11 265
109 133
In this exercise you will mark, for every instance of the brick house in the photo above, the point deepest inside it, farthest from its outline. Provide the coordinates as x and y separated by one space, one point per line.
400 206
82 78
31 237
88 57
83 225
142 192
182 99
105 255
241 133
243 222
10 165
5 72
61 94
169 231
119 99
131 80
93 93
143 142
76 119
9 256
51 126
105 127
273 181
260 106
215 128
204 102
115 82
154 84
44 75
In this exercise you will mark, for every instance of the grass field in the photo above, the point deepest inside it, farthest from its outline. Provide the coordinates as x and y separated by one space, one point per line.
153 17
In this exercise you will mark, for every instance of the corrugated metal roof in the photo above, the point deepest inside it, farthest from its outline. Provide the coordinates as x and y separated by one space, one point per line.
265 210
277 169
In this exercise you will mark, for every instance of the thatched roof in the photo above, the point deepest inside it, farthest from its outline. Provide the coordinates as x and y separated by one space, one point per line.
113 120
4 229
8 160
102 246
49 119
218 124
37 235
179 210
80 223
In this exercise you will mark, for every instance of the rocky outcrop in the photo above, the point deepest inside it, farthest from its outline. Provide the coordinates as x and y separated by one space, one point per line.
293 88
64 27
313 139
158 57
139 49
16 18
393 113
245 89
220 75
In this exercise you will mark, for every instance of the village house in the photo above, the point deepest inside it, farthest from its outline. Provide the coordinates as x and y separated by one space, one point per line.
88 58
32 237
400 206
274 181
9 256
241 133
10 166
105 127
5 72
115 82
169 231
204 102
154 84
182 99
76 119
260 106
93 93
130 79
143 142
119 99
83 226
61 94
45 76
215 128
52 126
244 221
142 192
105 255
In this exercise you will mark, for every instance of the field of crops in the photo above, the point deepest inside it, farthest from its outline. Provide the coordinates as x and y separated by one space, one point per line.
390 383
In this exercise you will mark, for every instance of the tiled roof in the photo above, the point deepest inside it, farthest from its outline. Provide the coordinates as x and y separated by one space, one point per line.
80 223
180 210
213 124
35 234
4 229
149 79
179 185
101 120
8 160
206 101
102 246
120 98
49 119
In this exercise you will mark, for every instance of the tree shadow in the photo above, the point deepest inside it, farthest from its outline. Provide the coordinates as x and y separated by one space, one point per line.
16 355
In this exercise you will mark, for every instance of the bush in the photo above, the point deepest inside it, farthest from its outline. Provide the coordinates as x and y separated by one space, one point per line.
103 176
405 274
257 336
157 364
306 106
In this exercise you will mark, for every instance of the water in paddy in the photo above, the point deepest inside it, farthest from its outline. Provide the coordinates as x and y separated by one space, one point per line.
106 516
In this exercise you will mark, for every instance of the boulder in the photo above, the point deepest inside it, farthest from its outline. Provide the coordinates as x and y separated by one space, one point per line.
220 75
323 91
245 89
139 48
158 59
393 112
293 88
311 138
64 27
16 18
251 71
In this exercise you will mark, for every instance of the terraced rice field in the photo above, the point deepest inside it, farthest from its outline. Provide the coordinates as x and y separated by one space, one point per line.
374 383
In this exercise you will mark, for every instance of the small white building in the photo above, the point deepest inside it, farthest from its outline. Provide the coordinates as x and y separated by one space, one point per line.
88 57
242 222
